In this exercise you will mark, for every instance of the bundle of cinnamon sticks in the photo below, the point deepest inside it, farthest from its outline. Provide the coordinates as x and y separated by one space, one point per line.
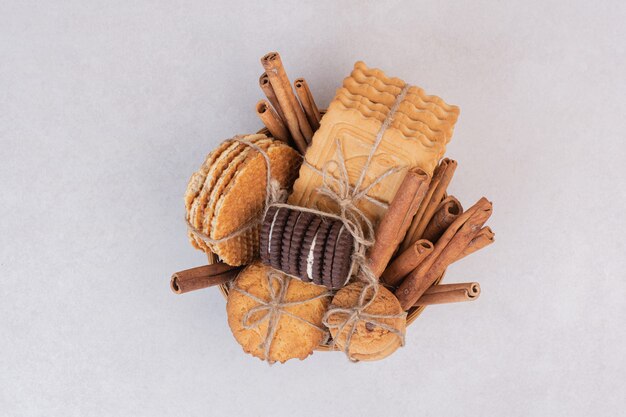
290 119
430 231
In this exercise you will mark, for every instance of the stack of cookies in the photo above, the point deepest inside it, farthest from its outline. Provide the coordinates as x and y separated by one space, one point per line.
307 245
226 196
419 128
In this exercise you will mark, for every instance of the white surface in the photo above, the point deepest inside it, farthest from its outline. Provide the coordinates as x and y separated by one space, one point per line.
106 110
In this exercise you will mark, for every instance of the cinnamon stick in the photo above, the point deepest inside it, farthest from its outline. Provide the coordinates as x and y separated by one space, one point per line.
271 120
202 277
450 293
295 119
484 238
438 185
266 86
447 249
308 104
406 262
396 221
447 211
212 258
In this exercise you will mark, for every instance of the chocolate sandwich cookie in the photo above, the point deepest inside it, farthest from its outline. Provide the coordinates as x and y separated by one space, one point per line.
305 260
342 261
318 250
264 234
329 253
299 230
293 217
275 236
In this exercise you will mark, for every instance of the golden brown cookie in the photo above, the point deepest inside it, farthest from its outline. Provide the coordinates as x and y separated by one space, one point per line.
228 192
196 181
293 338
369 341
216 167
200 182
243 201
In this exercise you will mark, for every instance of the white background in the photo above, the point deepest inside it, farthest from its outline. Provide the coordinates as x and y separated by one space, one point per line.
106 108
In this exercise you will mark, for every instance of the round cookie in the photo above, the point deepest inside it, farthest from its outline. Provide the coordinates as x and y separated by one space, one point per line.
293 337
329 253
243 201
275 237
201 183
318 251
197 179
270 217
218 170
294 215
235 165
369 341
342 260
309 237
299 231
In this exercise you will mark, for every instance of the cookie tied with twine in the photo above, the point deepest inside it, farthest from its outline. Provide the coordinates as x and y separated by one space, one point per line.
306 245
366 322
275 317
227 197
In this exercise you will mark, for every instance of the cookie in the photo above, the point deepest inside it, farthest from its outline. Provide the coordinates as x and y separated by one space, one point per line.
294 337
226 161
294 215
220 170
297 238
369 341
206 208
305 258
268 221
342 260
329 253
275 237
242 202
197 178
201 183
227 175
420 127
318 251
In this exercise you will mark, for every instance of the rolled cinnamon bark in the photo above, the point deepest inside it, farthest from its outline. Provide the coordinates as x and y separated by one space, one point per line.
447 249
485 237
266 86
202 277
396 221
212 258
450 293
295 119
308 104
437 189
406 262
447 211
270 119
